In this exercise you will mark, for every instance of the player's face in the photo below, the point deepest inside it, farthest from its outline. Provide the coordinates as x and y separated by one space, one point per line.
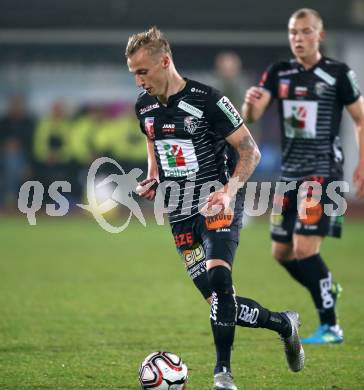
305 36
150 71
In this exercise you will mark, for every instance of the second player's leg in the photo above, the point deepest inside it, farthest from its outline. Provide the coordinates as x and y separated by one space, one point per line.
318 280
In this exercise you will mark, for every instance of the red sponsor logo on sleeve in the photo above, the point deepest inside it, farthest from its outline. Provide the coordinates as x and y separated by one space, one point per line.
149 127
263 79
283 89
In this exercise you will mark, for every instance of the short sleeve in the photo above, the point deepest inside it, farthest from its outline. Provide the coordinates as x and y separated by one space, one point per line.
141 126
348 88
224 117
268 80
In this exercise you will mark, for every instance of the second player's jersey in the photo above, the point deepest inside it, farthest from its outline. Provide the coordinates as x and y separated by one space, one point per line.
189 142
310 109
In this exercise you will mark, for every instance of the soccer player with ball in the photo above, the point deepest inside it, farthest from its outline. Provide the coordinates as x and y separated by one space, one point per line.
191 131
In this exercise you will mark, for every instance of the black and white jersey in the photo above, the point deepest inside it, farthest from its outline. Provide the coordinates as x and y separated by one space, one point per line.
189 142
310 109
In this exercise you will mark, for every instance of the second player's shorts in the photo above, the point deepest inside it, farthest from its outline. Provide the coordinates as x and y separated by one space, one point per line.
296 219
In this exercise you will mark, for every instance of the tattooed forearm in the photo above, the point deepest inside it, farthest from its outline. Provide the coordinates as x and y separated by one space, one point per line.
249 157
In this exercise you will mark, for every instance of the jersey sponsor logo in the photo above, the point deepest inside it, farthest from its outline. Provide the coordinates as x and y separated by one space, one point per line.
196 90
168 128
175 157
190 109
283 88
300 91
193 256
300 119
149 126
320 88
183 239
248 314
326 294
230 111
309 215
325 76
354 82
146 109
178 157
190 124
287 72
263 79
221 220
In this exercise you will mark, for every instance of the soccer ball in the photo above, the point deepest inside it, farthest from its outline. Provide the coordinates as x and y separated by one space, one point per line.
163 371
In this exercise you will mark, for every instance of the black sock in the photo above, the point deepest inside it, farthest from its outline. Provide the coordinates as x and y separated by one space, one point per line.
222 315
293 268
252 315
318 281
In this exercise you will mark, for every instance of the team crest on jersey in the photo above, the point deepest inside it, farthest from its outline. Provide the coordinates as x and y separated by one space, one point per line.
283 89
149 126
190 124
320 88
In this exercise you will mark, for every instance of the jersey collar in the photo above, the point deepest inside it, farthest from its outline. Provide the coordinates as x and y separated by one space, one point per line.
297 65
178 95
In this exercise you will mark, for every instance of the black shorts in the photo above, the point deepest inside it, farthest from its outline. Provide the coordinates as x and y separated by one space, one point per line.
313 222
202 238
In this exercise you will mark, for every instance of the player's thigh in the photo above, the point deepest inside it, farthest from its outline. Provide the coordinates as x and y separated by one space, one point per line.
220 235
189 246
306 245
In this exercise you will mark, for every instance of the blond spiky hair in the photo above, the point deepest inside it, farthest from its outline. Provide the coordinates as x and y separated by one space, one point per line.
153 40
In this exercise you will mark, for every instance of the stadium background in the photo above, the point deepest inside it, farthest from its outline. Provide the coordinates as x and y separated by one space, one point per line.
65 295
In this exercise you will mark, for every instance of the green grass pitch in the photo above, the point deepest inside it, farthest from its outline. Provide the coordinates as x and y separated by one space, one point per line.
80 308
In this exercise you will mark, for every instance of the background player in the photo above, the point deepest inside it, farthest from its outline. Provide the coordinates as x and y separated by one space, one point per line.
311 90
188 127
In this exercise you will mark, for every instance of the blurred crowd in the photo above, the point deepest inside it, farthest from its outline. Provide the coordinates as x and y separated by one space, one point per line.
61 146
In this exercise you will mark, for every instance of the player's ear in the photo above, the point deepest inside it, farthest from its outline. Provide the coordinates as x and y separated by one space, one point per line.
166 60
322 35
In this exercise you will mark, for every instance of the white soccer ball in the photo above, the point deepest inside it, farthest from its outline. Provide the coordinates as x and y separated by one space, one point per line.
163 371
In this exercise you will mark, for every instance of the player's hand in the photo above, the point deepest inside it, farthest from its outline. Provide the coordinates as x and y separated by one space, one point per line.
147 188
253 94
358 179
216 202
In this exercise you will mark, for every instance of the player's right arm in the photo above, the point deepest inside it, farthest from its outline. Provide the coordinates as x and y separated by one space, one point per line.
152 174
256 101
258 98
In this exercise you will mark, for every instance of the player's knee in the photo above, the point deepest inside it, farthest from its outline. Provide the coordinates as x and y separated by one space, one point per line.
303 251
220 280
282 252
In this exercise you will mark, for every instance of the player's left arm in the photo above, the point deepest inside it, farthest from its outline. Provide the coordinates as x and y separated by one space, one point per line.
356 111
249 157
